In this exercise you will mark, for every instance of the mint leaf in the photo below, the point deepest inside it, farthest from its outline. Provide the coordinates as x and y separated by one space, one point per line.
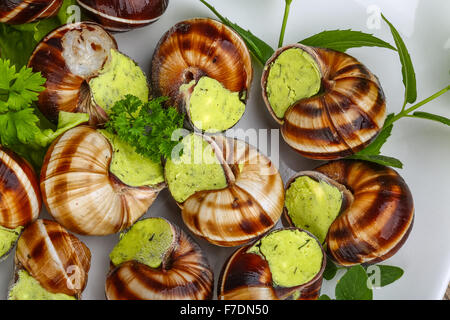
330 270
430 116
342 40
409 75
353 285
380 159
388 274
260 50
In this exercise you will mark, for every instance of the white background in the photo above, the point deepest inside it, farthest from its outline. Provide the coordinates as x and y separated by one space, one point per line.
423 146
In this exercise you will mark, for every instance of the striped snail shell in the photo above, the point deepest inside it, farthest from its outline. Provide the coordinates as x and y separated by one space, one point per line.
80 192
248 276
183 275
198 48
69 57
342 118
20 12
124 15
248 207
58 260
375 220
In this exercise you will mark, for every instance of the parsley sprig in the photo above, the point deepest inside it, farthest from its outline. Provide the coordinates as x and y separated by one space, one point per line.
148 127
22 128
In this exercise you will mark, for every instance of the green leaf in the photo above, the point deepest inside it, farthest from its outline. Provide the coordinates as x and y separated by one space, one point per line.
380 159
408 73
430 116
375 147
342 40
388 274
324 297
260 50
353 285
330 270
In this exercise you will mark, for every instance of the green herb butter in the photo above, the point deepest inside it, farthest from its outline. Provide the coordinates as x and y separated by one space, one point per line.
121 76
313 205
147 242
293 76
212 107
198 169
8 238
130 167
28 288
294 257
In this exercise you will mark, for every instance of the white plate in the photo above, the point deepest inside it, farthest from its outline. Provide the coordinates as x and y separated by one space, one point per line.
423 146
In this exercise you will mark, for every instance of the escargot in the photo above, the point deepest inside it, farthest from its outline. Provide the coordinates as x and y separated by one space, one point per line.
20 199
20 12
328 104
205 68
124 15
229 193
85 72
285 264
50 264
156 260
362 211
92 183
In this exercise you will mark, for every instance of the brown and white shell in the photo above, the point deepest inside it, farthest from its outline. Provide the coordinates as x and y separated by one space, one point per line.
58 260
248 207
25 11
20 198
184 275
124 15
80 192
68 58
196 48
344 118
247 276
376 219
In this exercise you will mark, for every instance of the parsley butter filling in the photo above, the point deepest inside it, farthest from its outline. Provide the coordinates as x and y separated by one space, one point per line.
130 167
294 257
147 241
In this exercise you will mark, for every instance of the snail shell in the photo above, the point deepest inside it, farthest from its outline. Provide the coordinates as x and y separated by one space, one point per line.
196 48
247 276
68 58
184 275
20 198
378 218
248 207
54 257
124 15
20 12
80 192
342 119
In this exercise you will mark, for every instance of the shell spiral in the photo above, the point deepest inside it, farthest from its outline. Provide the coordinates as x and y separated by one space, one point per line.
20 12
20 201
81 193
124 15
378 221
196 48
57 259
186 275
342 119
68 58
250 205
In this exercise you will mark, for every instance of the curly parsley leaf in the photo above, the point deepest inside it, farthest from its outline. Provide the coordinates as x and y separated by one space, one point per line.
260 50
22 129
148 127
342 40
